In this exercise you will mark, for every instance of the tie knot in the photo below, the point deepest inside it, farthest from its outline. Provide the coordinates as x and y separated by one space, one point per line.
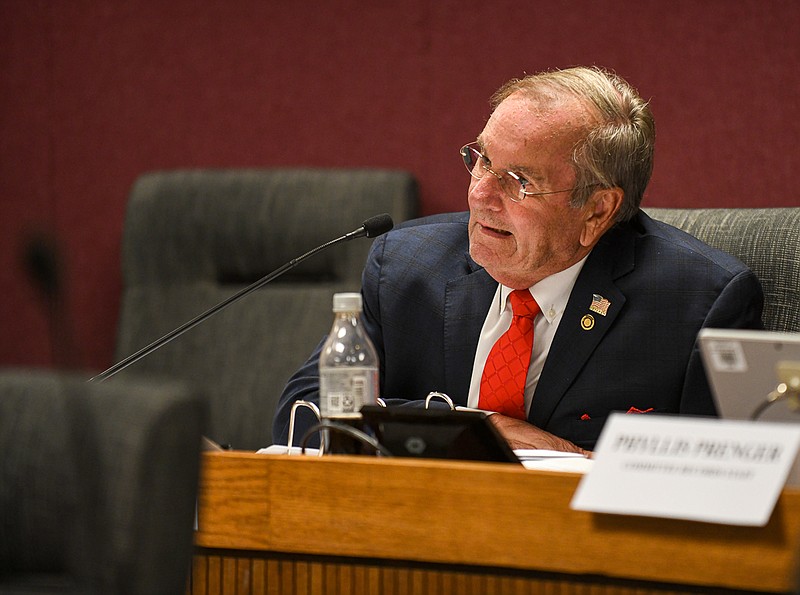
523 304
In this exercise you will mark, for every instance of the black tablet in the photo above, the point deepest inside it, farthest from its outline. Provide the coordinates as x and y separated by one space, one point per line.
437 434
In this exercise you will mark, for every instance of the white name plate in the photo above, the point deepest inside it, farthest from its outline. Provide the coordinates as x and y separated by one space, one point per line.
699 469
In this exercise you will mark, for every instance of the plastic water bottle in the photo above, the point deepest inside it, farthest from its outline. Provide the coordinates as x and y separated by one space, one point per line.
348 370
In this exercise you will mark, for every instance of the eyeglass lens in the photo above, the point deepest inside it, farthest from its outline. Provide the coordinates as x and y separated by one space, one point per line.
477 167
472 160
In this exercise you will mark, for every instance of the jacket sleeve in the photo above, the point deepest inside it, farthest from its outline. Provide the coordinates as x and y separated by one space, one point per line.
739 305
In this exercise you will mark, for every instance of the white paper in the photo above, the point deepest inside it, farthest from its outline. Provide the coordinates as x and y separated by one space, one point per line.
539 453
282 449
553 460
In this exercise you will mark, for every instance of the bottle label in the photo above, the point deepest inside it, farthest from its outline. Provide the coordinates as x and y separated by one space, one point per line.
342 391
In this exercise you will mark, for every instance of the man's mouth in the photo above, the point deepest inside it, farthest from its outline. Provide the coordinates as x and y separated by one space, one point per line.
495 230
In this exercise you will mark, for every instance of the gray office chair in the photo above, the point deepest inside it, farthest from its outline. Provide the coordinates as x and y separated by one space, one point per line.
767 240
194 238
98 484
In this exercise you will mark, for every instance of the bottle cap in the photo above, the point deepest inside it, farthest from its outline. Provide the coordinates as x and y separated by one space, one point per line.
347 302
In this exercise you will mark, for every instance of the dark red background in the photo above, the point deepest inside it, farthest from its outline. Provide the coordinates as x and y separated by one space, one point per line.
95 92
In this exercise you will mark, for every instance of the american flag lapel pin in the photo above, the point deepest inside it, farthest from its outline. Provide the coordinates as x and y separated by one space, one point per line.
599 304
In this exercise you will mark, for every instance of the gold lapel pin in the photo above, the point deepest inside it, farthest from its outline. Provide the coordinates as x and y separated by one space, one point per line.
587 322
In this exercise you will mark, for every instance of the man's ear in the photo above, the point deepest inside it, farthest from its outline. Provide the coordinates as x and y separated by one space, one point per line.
601 211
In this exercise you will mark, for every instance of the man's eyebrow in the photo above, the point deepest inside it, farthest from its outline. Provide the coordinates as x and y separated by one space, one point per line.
528 173
517 169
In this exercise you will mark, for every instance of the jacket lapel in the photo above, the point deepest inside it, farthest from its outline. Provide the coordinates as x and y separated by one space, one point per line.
466 302
582 327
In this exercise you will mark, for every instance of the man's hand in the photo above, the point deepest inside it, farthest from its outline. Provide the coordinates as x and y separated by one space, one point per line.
521 435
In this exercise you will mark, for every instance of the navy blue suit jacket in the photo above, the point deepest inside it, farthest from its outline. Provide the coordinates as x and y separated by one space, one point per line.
425 301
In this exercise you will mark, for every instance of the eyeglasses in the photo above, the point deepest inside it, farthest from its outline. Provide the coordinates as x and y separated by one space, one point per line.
513 184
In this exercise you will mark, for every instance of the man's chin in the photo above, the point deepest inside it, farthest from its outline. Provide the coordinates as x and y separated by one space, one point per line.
485 257
495 265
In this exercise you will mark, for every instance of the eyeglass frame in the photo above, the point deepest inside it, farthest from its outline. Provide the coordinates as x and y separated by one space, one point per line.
464 151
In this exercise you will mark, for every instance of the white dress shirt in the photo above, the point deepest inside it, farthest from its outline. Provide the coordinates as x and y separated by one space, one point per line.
552 295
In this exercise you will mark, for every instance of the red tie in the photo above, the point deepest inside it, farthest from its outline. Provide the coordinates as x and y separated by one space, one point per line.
503 381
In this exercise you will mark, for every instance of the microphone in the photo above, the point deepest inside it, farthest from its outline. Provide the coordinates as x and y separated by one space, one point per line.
42 264
372 227
42 261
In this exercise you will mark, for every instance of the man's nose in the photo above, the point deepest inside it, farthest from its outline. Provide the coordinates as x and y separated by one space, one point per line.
486 190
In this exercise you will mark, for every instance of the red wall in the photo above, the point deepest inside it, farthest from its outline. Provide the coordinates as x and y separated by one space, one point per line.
95 92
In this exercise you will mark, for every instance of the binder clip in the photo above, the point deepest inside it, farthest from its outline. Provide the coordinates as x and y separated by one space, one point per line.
437 395
295 406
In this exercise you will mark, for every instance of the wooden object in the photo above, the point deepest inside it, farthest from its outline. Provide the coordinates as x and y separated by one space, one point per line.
291 524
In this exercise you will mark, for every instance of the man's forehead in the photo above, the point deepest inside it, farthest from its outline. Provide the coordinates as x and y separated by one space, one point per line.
522 115
551 106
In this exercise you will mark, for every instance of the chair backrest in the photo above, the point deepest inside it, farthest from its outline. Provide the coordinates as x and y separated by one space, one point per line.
98 484
767 240
194 238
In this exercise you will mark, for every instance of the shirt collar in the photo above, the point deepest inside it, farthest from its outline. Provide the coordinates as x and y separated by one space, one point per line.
551 293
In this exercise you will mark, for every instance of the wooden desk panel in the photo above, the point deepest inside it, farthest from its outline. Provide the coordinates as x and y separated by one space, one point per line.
279 524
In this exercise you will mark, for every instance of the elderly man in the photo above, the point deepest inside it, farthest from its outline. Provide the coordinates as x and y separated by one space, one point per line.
555 301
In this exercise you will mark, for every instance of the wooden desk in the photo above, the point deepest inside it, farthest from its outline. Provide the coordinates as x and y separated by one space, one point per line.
281 524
